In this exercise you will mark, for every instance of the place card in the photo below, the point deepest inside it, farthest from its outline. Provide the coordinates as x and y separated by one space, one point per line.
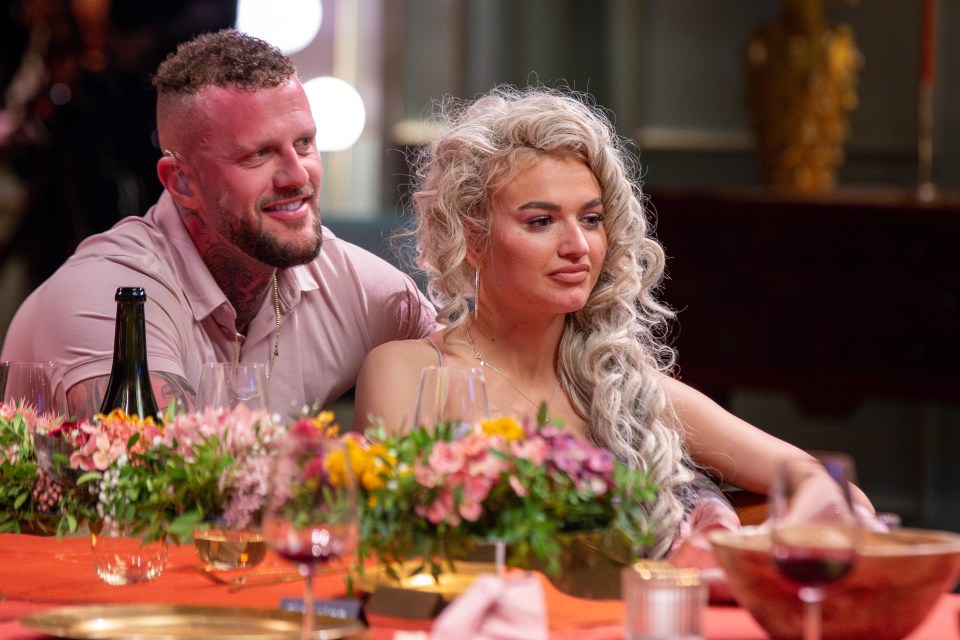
404 603
347 608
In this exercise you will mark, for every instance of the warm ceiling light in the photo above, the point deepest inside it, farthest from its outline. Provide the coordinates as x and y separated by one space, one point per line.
338 110
289 25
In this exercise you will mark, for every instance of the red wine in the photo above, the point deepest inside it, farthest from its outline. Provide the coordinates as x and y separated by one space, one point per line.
816 567
307 555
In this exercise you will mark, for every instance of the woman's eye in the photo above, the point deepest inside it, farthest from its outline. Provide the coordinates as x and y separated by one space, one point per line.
540 221
593 219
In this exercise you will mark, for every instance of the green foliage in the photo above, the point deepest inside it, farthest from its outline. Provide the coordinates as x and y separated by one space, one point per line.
531 504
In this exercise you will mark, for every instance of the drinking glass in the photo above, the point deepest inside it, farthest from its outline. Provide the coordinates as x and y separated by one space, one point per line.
37 385
455 395
122 558
310 516
814 528
224 385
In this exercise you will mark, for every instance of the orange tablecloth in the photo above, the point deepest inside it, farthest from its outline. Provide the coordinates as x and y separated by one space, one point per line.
39 573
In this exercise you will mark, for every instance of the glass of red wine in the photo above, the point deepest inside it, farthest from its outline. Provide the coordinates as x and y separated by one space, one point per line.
310 515
814 528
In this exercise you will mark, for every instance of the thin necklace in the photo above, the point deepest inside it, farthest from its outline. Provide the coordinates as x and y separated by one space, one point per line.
276 335
484 363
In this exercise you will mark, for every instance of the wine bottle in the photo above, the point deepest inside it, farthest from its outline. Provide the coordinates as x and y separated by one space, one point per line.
129 387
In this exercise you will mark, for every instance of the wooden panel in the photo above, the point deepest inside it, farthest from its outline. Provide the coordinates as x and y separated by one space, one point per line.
833 299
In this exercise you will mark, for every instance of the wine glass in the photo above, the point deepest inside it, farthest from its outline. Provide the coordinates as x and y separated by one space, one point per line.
310 516
34 385
454 395
224 385
814 528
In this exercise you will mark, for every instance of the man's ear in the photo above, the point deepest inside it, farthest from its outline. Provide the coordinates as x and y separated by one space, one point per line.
175 181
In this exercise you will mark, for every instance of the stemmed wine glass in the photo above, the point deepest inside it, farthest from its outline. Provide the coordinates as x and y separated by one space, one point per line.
224 385
814 528
454 395
310 516
37 385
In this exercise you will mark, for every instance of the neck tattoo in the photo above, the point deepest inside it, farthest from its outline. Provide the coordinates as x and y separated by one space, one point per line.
276 335
484 363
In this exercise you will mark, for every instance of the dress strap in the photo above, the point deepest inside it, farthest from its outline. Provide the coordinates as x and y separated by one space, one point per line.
437 348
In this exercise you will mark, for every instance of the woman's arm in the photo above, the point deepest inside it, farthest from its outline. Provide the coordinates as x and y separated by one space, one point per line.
731 449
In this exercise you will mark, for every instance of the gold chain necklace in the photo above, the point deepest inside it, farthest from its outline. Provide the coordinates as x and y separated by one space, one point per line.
276 335
484 363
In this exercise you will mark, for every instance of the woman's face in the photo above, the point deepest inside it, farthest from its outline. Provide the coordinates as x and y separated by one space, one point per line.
547 241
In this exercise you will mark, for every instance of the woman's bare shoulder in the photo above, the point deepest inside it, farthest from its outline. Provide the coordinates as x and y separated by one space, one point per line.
407 352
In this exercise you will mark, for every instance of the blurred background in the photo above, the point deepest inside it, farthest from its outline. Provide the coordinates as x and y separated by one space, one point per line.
800 158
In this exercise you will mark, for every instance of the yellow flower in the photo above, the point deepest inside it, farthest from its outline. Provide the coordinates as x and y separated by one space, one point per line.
335 465
507 428
324 421
369 465
119 415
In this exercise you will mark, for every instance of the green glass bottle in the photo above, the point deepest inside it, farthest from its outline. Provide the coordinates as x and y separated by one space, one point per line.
129 387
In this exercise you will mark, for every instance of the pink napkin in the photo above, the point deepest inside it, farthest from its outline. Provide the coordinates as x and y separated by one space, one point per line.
495 608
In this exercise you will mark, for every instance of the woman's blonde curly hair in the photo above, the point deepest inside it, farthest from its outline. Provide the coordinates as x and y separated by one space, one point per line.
613 349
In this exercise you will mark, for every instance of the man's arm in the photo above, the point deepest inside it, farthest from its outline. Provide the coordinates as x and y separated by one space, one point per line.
84 398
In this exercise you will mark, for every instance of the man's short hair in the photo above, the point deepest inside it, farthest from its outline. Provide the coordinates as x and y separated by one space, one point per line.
222 59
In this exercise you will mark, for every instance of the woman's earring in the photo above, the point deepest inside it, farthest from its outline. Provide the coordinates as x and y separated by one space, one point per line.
476 293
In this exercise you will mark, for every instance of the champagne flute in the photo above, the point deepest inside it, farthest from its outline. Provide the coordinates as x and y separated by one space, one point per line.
814 528
310 516
224 385
454 395
37 386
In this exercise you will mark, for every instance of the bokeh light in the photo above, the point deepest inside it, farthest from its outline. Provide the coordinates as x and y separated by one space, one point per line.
338 110
290 25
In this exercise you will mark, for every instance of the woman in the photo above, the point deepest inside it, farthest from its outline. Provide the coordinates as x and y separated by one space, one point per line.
529 207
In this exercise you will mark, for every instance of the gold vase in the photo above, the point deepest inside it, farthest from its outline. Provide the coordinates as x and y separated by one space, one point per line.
590 565
801 86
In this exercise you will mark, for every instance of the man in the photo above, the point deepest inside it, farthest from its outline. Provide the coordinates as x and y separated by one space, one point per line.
230 256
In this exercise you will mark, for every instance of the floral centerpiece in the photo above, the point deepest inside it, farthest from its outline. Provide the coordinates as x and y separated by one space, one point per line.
439 494
158 480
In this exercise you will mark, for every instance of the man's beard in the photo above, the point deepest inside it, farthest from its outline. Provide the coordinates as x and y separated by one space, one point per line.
269 250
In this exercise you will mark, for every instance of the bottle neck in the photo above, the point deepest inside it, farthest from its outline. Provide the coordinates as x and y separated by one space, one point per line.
130 345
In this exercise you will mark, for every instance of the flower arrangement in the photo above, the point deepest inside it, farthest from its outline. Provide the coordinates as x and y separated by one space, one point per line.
438 494
159 480
435 494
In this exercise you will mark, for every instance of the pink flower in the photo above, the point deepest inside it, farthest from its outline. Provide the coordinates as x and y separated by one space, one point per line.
446 458
427 477
489 466
471 510
475 488
534 449
440 510
517 486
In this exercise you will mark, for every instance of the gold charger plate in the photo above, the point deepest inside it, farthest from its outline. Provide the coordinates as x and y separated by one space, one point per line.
159 622
449 584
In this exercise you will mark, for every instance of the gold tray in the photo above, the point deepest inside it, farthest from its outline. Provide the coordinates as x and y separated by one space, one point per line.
158 622
449 584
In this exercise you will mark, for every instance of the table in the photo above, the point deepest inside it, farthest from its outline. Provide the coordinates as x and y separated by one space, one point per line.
38 573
